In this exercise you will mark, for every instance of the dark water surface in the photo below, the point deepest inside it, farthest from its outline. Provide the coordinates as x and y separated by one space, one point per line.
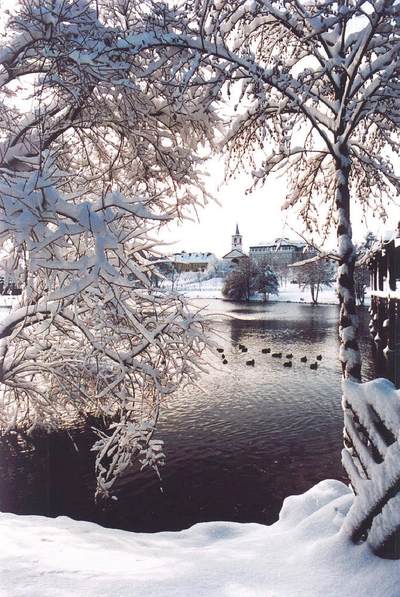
258 434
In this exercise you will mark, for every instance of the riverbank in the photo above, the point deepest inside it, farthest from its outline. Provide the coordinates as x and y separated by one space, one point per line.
191 287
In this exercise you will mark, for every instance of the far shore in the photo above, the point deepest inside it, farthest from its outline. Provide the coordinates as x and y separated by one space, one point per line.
211 289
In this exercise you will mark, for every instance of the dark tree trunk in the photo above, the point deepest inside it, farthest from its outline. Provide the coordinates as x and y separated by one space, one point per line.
348 323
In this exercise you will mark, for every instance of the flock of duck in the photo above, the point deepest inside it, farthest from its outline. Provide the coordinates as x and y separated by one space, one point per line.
277 355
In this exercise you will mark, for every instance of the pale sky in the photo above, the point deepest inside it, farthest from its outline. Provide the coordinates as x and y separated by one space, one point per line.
259 217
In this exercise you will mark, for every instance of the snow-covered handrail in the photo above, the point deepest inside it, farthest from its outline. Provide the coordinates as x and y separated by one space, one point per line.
389 294
372 462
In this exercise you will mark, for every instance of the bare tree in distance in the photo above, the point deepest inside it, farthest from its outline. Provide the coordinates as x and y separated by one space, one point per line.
314 275
316 93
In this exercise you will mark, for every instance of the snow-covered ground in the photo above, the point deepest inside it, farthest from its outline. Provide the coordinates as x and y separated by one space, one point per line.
195 288
304 554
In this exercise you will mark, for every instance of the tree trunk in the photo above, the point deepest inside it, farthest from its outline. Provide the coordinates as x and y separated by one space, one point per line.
312 290
348 322
316 293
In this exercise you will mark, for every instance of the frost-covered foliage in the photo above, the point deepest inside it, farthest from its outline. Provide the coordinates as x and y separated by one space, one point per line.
315 90
104 110
362 275
96 152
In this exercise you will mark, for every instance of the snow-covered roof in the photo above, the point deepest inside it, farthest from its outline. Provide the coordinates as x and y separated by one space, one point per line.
386 236
184 257
281 242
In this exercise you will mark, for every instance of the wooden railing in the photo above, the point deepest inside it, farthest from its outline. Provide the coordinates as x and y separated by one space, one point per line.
385 330
371 459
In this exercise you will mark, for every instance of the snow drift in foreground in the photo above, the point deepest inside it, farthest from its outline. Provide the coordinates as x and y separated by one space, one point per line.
304 554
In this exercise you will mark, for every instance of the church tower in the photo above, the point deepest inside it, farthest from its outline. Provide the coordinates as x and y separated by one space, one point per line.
237 240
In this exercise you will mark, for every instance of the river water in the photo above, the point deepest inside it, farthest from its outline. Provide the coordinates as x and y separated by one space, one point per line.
234 451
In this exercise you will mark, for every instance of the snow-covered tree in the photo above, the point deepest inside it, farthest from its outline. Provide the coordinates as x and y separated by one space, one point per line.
95 154
265 279
250 277
315 93
362 275
104 110
237 284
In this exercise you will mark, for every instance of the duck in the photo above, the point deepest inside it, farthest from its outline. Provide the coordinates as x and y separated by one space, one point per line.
289 355
314 366
319 357
303 359
224 362
265 350
244 349
251 362
277 355
287 364
219 349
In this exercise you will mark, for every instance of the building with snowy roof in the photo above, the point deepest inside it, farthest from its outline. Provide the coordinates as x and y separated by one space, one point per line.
192 262
282 252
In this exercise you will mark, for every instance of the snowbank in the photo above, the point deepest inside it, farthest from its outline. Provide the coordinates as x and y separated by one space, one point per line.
304 554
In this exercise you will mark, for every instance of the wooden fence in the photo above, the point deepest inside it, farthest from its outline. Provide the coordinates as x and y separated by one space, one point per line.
371 459
384 266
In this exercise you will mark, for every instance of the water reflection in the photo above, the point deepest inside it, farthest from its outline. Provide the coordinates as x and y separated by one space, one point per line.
234 451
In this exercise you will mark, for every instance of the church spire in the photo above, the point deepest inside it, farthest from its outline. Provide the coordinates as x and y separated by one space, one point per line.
237 240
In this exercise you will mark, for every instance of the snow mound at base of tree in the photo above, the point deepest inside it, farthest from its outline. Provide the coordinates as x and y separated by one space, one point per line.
304 554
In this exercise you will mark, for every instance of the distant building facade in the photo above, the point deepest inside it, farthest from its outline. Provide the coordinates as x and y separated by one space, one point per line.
192 262
282 252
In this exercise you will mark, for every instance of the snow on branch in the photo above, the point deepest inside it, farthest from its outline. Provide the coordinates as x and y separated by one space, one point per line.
91 166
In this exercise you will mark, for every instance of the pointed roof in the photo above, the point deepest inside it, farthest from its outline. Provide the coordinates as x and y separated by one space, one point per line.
234 254
237 229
